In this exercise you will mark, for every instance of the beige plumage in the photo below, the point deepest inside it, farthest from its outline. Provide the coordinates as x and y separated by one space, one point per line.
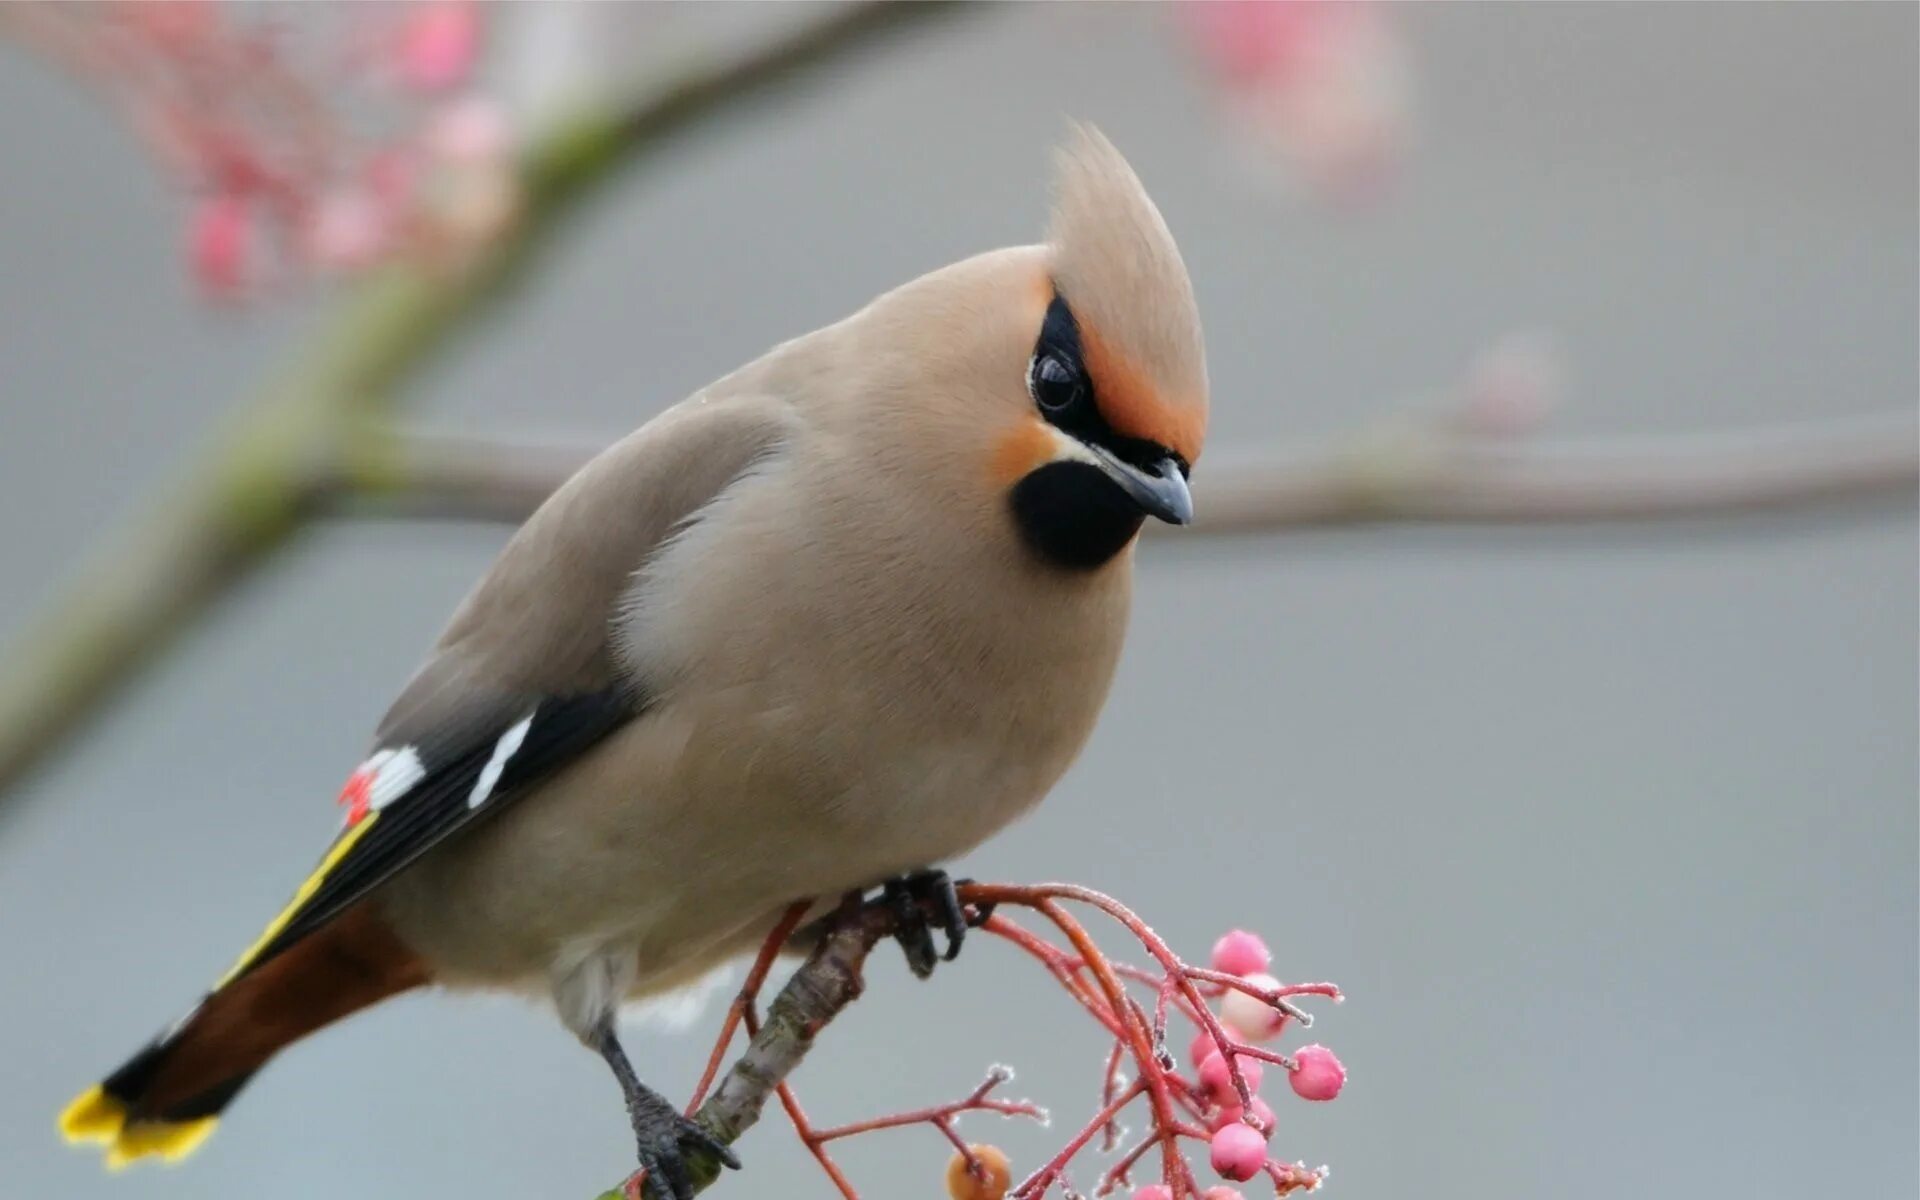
840 615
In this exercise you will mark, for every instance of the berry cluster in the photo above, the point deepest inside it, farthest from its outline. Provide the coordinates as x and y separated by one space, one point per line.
1236 1006
1219 1103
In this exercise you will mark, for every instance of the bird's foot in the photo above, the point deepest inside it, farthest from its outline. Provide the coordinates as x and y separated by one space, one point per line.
664 1138
919 899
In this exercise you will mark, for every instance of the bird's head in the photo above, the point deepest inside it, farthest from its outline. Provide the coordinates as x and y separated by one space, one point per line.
1115 404
1067 377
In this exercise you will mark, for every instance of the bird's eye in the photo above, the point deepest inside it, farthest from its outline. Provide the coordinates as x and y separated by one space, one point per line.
1055 384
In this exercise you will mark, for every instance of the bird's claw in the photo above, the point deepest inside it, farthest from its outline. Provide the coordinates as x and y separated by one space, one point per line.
919 899
664 1136
910 926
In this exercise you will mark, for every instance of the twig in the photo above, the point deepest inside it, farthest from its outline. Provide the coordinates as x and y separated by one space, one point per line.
742 1007
825 983
324 420
1399 474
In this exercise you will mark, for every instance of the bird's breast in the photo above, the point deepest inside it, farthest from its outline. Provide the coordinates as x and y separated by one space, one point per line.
884 656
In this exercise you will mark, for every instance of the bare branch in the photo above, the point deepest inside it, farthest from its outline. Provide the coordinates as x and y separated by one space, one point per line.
1416 475
1411 473
253 491
826 983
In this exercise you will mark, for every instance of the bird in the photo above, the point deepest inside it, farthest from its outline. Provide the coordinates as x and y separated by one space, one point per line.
830 621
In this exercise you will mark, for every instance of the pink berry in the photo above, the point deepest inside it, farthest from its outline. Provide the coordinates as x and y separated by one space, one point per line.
1227 1114
1320 1075
1249 1016
1201 1046
1241 953
1221 1193
1153 1191
1237 1152
1217 1081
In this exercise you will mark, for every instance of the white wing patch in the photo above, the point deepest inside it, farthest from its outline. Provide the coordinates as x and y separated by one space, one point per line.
503 750
385 777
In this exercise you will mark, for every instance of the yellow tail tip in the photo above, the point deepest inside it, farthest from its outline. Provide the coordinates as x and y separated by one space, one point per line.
169 1141
95 1116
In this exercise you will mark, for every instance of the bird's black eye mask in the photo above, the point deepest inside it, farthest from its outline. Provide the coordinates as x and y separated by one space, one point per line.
1063 391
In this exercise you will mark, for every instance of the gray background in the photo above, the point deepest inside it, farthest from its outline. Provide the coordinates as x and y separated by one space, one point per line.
1609 833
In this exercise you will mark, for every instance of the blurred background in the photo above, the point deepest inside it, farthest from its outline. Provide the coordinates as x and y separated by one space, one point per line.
1608 831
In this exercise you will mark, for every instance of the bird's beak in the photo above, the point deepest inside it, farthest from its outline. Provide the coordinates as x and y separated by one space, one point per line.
1160 491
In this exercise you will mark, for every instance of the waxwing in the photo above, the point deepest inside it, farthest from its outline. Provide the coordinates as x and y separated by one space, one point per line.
827 623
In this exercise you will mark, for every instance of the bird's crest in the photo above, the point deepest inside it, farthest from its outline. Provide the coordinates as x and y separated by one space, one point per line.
1115 263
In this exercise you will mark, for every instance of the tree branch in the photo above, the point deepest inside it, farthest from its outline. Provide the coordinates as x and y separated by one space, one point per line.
1403 473
253 491
828 981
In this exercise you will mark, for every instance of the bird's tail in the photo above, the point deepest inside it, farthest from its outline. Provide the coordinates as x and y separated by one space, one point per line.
165 1100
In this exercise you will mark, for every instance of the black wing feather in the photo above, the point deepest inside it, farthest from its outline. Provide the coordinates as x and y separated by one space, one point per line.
558 730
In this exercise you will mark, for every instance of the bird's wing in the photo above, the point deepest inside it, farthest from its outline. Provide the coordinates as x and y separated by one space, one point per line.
525 678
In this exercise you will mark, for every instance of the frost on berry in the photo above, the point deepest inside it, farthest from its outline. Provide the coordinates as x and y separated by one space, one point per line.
1318 1075
1228 1114
1217 1081
1153 1191
994 1177
1201 1046
1249 1016
1241 953
1237 1152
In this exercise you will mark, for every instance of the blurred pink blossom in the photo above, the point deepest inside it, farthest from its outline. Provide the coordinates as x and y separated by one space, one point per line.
220 237
1322 84
286 125
1511 388
471 130
437 45
347 230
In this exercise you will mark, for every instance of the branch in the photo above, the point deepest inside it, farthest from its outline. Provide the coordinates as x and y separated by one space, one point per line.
1428 476
826 983
323 419
1414 473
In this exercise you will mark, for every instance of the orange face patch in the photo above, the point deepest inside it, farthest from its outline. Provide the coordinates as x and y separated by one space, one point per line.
1023 448
1134 407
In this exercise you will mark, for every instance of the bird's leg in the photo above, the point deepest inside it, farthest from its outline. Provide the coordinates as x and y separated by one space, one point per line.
918 898
658 1127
